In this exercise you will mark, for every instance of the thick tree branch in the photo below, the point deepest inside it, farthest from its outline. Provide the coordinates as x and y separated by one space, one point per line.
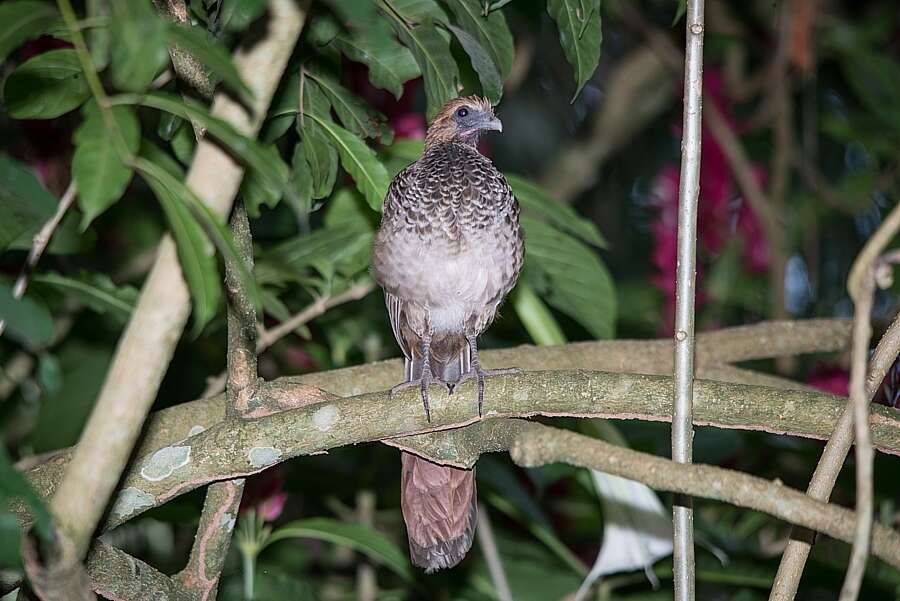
117 575
536 445
159 318
168 466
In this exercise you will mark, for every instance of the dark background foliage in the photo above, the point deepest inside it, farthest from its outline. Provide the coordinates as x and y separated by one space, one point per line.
601 246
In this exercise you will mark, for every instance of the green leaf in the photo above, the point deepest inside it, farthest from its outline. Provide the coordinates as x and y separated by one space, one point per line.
354 11
352 111
46 86
195 253
24 204
358 537
98 38
535 202
679 11
249 151
61 415
491 32
326 250
579 34
95 291
257 191
491 84
536 317
237 15
300 183
390 64
214 57
163 182
99 170
431 50
184 143
27 320
23 20
358 160
49 374
322 158
139 45
569 276
14 486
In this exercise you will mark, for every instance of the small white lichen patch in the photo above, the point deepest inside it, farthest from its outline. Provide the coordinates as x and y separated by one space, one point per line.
263 456
129 501
227 522
162 463
325 417
195 430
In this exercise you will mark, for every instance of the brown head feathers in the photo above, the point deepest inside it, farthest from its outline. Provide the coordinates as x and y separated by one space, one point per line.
462 119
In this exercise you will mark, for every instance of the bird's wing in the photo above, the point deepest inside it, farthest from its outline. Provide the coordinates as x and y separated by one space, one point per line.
395 314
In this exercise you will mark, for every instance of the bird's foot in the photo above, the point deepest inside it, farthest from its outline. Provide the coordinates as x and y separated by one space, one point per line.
422 384
479 375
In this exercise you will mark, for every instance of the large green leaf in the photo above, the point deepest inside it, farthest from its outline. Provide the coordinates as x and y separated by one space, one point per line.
25 205
351 110
535 202
98 167
46 86
257 191
390 64
580 35
535 316
271 169
325 250
139 44
569 276
358 160
198 43
27 320
300 183
95 291
195 252
215 230
488 75
322 159
98 38
431 49
358 537
491 31
22 20
236 15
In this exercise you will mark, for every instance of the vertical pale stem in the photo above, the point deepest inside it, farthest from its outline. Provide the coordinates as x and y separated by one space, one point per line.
689 189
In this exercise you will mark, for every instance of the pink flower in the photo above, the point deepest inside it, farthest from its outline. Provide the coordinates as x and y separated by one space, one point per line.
830 378
271 507
265 494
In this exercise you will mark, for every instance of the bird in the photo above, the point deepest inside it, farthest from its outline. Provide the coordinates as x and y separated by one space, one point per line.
448 251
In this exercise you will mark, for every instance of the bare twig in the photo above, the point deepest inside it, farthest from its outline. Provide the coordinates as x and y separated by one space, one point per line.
688 195
223 499
491 555
156 324
822 482
40 243
269 337
366 583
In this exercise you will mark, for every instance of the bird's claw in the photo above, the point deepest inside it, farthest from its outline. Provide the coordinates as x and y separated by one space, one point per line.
479 375
422 384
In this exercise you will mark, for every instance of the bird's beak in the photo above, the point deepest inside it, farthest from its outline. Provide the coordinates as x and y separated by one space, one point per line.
493 124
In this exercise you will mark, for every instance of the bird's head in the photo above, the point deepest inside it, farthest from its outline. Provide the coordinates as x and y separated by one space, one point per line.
463 119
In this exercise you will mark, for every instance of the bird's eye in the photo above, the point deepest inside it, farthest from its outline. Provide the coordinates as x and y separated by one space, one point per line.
462 112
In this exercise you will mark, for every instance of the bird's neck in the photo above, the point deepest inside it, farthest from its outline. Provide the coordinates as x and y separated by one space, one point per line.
437 141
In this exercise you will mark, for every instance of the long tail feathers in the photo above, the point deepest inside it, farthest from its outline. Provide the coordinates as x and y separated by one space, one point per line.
439 502
440 510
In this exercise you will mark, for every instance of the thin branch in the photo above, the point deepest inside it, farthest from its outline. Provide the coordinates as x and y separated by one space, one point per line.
485 535
859 400
685 285
117 575
220 508
315 309
149 340
539 445
188 68
832 460
39 244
